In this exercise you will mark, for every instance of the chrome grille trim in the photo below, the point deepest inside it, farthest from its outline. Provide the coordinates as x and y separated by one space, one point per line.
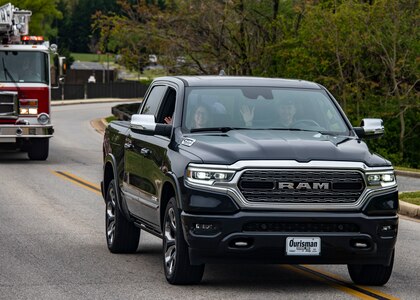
231 188
8 104
352 181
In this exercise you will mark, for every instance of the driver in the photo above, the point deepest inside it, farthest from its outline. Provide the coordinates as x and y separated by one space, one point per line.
285 113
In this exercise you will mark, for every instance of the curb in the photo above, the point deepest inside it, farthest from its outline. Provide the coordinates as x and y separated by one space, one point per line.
99 125
410 210
407 173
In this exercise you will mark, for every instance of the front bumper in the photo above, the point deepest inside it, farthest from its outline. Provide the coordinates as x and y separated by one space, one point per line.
9 133
268 245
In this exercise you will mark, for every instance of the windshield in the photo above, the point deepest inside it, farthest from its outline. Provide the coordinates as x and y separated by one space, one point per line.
23 66
261 108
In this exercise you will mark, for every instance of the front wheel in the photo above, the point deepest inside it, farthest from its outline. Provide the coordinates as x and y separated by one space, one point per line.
371 274
39 148
122 236
176 262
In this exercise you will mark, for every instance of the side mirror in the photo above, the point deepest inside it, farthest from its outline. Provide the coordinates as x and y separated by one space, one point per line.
145 124
370 128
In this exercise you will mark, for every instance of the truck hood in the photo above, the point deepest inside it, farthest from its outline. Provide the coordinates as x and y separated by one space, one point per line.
302 146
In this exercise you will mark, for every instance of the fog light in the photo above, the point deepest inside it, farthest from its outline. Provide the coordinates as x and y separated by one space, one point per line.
204 229
387 231
204 226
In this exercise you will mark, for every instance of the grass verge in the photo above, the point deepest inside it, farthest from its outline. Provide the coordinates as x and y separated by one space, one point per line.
410 197
110 118
91 57
407 169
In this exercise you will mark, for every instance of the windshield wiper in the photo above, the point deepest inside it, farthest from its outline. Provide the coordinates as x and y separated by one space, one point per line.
222 129
306 130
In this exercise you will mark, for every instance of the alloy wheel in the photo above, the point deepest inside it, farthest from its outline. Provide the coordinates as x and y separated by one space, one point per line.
170 241
110 217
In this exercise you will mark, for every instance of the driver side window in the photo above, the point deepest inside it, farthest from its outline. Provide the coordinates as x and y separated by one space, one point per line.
167 107
153 100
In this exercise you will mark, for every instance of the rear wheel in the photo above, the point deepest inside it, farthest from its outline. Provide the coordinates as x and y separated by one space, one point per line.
371 274
39 149
176 262
122 236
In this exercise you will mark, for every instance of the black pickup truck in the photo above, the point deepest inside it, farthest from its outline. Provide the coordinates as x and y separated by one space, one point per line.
243 169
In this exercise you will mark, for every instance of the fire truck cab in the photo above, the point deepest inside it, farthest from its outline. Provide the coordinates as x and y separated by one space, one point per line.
25 86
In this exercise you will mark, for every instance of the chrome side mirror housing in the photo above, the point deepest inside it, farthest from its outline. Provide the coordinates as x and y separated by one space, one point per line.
370 128
145 124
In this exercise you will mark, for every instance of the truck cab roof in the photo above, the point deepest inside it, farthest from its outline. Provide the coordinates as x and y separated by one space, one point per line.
242 81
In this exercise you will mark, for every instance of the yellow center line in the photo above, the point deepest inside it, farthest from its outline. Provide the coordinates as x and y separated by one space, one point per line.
364 287
330 283
79 181
361 292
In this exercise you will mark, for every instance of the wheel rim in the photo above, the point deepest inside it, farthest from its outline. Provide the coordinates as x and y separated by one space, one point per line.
110 217
170 241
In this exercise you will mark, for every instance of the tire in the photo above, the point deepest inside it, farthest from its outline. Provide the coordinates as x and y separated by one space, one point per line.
371 274
176 262
39 149
122 236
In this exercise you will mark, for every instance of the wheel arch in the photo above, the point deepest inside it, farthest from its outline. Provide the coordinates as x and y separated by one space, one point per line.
110 173
170 189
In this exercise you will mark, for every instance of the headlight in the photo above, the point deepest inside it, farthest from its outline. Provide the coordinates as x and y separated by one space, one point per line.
208 176
28 106
386 178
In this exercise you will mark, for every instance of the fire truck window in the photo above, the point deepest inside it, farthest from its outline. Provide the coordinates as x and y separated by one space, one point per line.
23 66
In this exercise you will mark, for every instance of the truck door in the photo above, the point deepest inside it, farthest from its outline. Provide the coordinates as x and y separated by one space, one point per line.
138 187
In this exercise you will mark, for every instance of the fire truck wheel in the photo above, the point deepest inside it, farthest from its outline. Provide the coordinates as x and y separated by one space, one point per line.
38 149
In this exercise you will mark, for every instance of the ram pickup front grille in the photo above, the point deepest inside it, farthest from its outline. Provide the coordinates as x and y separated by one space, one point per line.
300 227
301 186
8 104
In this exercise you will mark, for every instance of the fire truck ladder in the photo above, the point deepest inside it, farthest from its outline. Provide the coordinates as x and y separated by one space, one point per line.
13 23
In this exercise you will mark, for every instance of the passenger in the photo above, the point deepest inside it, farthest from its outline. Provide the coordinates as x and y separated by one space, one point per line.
168 120
201 117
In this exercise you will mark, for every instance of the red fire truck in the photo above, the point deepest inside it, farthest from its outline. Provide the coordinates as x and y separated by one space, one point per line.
25 86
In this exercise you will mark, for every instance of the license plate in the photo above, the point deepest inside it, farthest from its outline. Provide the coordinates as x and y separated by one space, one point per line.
303 246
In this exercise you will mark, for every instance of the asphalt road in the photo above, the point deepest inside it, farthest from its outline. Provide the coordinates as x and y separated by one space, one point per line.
52 238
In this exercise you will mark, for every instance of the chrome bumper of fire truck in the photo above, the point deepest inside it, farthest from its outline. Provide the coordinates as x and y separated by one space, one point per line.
8 133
